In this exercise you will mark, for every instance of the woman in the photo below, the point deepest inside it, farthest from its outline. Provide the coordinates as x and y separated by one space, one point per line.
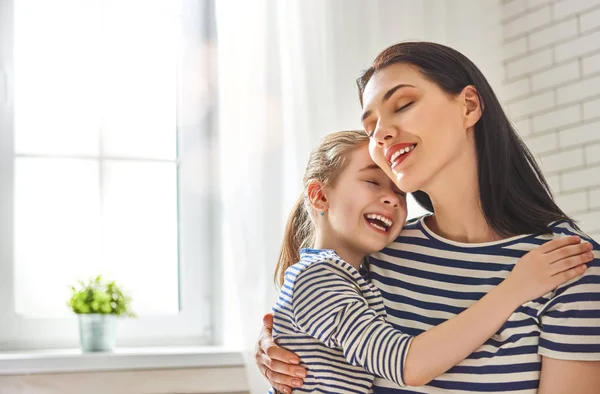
437 129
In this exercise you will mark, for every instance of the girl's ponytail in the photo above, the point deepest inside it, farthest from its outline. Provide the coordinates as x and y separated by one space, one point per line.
299 233
325 164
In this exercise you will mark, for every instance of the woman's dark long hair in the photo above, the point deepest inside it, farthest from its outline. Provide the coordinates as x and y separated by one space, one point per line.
515 197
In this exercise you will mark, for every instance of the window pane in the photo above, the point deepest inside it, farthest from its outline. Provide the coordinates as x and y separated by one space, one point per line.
56 77
140 232
85 67
57 227
140 79
64 231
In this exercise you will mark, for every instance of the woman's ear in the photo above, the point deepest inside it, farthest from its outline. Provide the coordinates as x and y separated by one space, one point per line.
472 104
317 197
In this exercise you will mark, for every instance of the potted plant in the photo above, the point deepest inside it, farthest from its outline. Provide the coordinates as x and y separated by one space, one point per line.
98 304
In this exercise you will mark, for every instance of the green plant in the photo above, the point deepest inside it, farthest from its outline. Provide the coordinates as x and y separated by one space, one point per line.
99 296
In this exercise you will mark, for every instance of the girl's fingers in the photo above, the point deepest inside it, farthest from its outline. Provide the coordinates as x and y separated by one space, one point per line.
565 276
559 243
569 251
571 262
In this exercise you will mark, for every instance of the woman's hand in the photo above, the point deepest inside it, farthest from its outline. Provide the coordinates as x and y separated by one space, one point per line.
278 365
549 266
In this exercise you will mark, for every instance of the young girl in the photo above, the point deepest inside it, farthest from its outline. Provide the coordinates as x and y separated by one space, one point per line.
334 319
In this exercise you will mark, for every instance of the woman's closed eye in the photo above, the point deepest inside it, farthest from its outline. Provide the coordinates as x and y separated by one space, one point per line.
373 182
405 106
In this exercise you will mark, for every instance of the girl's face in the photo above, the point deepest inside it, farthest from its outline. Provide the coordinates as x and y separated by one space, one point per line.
365 210
417 130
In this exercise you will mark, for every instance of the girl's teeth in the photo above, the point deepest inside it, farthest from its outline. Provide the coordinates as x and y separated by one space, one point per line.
383 219
377 226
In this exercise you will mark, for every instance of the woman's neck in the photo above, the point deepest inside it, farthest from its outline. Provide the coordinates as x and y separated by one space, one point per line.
457 204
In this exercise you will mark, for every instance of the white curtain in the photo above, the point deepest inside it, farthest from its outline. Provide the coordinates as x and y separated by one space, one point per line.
286 78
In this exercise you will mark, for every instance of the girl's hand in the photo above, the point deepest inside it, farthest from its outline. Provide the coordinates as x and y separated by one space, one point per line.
548 266
278 365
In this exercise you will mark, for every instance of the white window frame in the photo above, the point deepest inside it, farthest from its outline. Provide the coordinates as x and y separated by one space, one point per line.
198 222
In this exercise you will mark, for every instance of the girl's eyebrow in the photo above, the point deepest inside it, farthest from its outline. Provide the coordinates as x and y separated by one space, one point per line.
370 167
386 97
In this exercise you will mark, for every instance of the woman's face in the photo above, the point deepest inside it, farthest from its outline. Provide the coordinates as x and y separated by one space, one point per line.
417 130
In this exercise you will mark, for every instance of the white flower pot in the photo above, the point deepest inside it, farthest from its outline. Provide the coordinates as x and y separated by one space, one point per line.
97 333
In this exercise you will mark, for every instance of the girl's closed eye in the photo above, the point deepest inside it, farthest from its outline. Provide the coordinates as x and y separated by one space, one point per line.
373 182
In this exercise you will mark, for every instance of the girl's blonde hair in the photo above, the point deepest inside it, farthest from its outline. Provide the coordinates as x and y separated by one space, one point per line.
325 164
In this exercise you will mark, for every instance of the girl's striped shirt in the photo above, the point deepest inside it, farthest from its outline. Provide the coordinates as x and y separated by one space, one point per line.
334 320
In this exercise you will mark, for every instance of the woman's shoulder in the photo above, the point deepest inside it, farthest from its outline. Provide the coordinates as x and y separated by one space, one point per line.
562 228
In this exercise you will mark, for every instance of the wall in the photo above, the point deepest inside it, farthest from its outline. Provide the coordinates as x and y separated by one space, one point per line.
552 92
184 381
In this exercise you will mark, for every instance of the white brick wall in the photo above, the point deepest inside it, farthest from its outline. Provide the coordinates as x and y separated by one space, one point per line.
552 94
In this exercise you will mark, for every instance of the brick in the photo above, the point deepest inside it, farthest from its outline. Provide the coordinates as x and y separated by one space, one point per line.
577 47
590 20
558 118
537 3
529 63
578 91
592 154
554 183
591 109
562 161
579 135
589 222
531 104
565 8
523 127
580 179
516 89
554 33
542 144
594 199
591 64
514 48
573 202
527 22
513 8
555 76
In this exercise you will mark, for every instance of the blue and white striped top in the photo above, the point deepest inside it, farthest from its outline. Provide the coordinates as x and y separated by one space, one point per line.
426 280
334 320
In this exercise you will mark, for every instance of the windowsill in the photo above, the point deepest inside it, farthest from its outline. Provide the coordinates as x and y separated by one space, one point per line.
73 360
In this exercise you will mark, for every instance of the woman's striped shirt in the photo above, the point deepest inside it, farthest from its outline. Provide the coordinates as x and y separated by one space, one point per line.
426 280
334 320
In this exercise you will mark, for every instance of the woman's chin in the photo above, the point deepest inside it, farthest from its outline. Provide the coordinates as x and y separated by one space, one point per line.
407 183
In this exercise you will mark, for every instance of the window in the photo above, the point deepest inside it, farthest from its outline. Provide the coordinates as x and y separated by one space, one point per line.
105 134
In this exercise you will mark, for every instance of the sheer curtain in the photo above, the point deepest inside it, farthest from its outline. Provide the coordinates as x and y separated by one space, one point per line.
286 78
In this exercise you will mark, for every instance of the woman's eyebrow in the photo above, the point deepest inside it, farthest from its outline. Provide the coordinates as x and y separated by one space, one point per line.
386 97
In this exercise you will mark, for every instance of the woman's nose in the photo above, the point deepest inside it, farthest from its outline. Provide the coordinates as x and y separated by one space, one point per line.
383 133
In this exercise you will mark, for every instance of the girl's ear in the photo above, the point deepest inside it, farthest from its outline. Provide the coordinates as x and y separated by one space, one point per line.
317 197
473 106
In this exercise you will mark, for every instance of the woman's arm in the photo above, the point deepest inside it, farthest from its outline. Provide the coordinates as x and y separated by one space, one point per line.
280 367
